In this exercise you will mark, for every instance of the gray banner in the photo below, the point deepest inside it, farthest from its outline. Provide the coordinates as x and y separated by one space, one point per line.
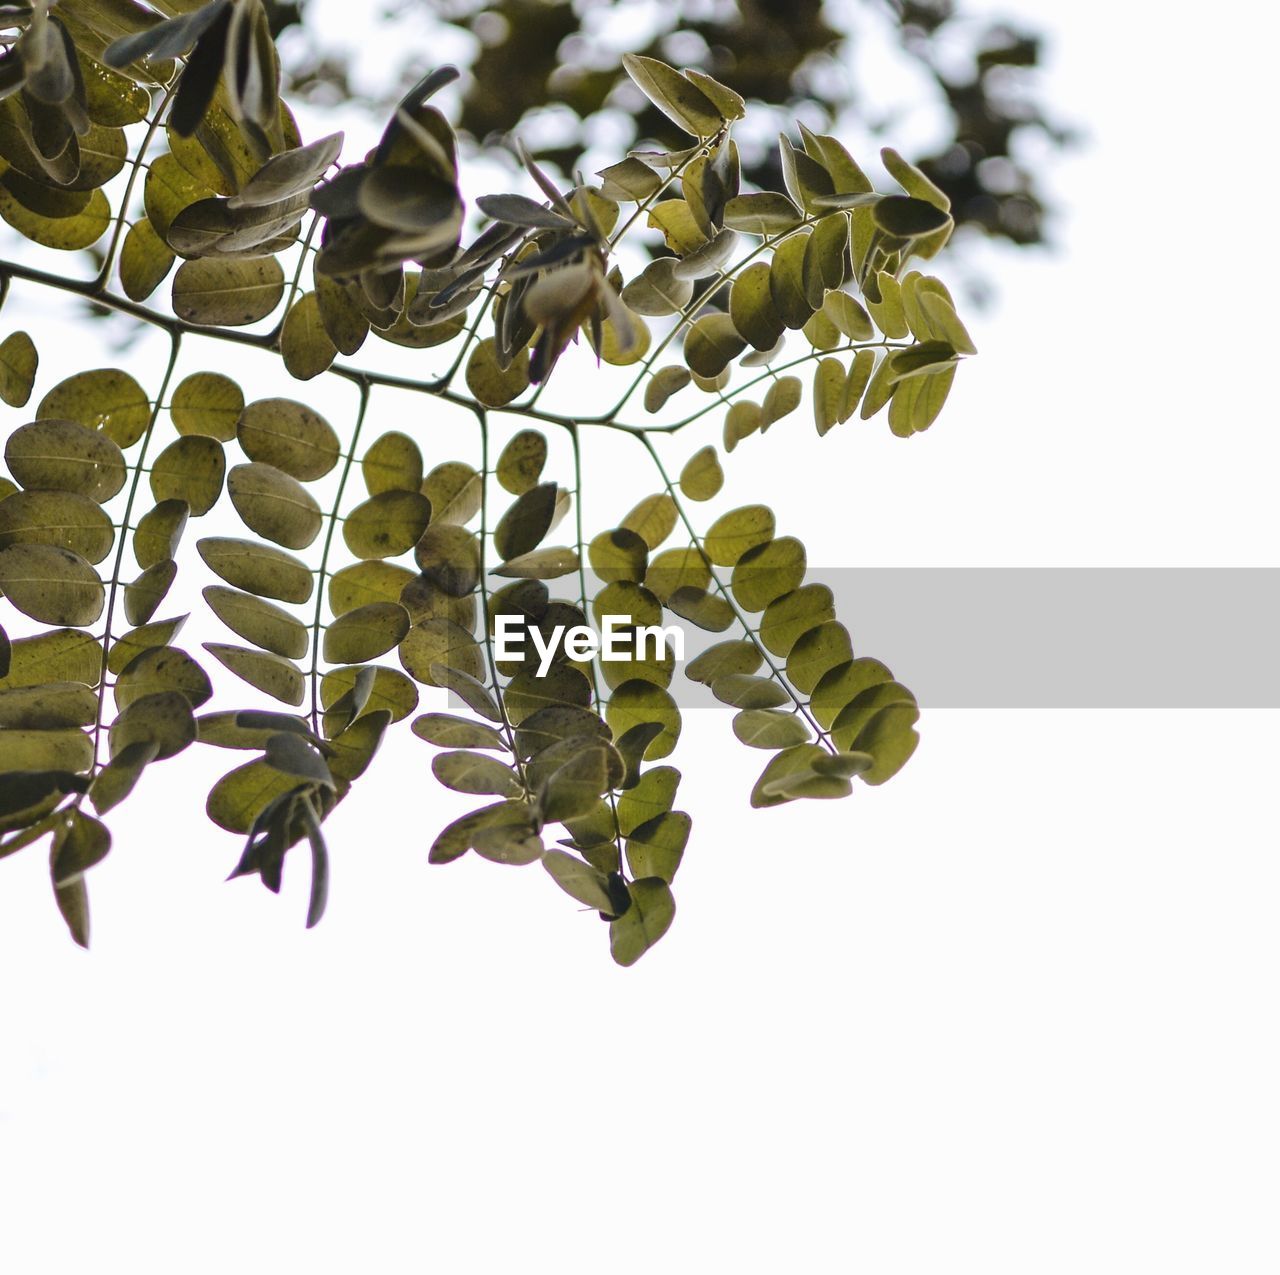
1046 637
1070 637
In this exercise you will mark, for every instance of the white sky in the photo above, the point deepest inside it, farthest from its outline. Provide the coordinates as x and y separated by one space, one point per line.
1012 1012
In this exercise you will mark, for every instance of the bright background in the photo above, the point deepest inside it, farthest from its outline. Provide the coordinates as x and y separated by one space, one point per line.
1013 1012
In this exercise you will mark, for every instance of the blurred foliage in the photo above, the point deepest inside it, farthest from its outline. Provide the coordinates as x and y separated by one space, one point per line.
370 562
796 54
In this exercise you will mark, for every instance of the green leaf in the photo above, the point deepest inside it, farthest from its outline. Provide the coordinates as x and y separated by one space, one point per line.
118 778
905 217
889 738
454 490
574 787
912 180
142 596
51 584
795 772
880 389
521 529
709 259
665 382
652 796
521 462
491 383
79 844
787 618
741 421
917 401
679 99
207 403
734 533
62 518
925 358
145 261
655 847
889 312
712 343
730 104
289 174
702 477
305 344
289 753
853 718
290 436
190 469
447 731
540 564
743 690
274 505
527 693
752 309
648 918
579 880
706 610
945 322
258 621
64 655
676 569
828 393
470 690
258 568
826 263
631 179
783 398
849 318
637 701
504 834
65 456
621 554
346 325
392 463
770 728
439 643
843 683
816 652
105 400
272 674
162 669
131 644
766 213
387 524
786 281
805 178
52 706
67 234
36 750
365 633
449 557
389 691
653 519
19 360
240 796
164 721
722 659
855 383
216 292
364 582
658 289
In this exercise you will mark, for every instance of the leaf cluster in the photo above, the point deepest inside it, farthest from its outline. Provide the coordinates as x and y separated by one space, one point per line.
371 567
